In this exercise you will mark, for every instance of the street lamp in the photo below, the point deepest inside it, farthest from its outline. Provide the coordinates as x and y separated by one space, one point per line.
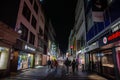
19 31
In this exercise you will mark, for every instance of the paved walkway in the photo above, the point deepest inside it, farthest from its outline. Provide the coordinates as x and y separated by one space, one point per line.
80 75
30 74
43 73
60 74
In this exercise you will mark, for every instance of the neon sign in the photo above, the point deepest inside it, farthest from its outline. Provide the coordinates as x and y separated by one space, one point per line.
114 36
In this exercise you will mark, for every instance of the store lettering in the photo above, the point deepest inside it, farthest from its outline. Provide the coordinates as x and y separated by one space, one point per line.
114 36
29 48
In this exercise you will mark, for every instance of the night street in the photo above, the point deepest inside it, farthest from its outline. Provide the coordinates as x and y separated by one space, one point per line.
59 39
42 73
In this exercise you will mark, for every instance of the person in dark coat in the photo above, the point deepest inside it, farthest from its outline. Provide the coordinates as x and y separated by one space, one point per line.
73 65
67 64
77 64
49 63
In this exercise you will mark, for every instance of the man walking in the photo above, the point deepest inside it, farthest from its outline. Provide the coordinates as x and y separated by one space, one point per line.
67 64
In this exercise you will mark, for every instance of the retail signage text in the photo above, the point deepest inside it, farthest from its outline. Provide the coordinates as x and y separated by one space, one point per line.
111 38
29 48
114 36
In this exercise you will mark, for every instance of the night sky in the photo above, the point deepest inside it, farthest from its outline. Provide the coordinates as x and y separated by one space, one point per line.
61 13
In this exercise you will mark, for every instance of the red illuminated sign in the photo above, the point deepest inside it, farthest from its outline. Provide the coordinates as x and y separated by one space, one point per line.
114 36
71 47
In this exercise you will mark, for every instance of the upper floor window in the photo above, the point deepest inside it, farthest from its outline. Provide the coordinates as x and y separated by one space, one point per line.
41 18
26 12
35 7
40 31
32 38
24 33
33 22
31 1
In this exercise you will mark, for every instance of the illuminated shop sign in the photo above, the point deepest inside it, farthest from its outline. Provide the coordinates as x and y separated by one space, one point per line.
111 37
29 48
93 46
105 40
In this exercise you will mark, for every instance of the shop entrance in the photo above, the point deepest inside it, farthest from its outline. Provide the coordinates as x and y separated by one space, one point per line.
25 60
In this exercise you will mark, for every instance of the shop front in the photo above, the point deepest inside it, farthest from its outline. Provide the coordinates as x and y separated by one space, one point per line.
25 60
92 58
110 49
38 59
7 39
26 57
4 56
23 56
80 56
38 56
44 59
118 58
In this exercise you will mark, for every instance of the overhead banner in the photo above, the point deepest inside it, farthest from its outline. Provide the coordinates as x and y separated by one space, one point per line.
98 7
98 16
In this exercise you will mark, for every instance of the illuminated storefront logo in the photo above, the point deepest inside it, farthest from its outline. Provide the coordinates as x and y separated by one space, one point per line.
114 36
111 37
29 48
105 40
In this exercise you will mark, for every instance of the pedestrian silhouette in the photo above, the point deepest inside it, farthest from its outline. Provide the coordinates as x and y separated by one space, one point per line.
73 65
77 64
67 64
49 64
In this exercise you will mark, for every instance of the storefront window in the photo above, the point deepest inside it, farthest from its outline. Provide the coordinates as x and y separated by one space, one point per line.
118 58
25 60
38 59
96 62
107 64
81 59
4 54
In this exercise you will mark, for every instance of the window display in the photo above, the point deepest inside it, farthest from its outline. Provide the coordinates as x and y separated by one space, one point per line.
25 61
4 54
118 58
96 61
38 59
107 64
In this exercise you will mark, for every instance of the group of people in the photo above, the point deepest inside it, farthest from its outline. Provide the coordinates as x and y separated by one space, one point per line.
73 63
52 64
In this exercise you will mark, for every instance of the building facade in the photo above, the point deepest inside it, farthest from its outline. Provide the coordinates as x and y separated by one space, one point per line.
102 40
8 39
27 19
80 29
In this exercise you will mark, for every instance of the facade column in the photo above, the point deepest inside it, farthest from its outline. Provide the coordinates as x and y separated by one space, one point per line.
115 62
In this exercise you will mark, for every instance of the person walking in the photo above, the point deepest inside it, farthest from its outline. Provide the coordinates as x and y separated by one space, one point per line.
77 64
67 64
49 64
73 65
